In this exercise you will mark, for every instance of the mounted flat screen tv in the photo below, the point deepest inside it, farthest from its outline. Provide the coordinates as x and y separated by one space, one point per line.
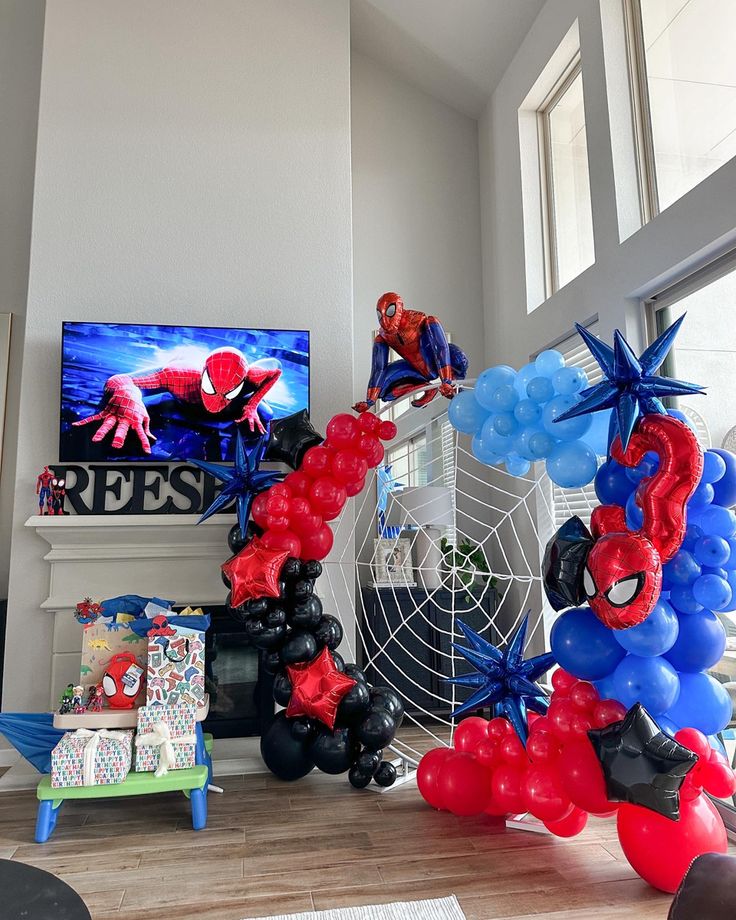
167 393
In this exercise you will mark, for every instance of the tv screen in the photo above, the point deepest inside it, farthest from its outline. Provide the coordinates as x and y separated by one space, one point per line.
166 393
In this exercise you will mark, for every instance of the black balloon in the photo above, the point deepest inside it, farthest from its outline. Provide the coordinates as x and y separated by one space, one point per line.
303 729
368 762
312 569
357 779
284 755
291 438
328 632
225 579
385 775
354 705
270 637
333 752
339 660
282 688
377 729
303 589
257 606
272 662
390 700
352 670
275 617
254 626
564 564
307 613
237 541
299 646
291 568
641 764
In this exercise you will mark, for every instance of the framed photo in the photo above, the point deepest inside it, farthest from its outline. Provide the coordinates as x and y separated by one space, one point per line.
392 562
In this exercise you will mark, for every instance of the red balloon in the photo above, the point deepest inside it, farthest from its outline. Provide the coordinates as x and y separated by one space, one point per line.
660 850
276 504
327 497
498 728
581 724
696 741
349 466
561 714
719 780
387 431
570 826
317 688
582 778
342 430
512 750
562 682
275 524
531 718
487 753
371 448
584 695
506 789
317 545
304 520
282 489
469 733
542 747
543 794
299 483
464 785
283 539
428 772
258 509
369 422
540 724
354 488
606 712
316 462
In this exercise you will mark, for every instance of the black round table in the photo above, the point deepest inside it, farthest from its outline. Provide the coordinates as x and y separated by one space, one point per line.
32 894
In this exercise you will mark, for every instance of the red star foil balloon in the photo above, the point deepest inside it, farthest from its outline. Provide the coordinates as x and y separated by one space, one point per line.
317 688
254 572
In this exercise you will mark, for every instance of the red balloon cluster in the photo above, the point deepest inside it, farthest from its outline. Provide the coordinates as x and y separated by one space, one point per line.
559 780
294 513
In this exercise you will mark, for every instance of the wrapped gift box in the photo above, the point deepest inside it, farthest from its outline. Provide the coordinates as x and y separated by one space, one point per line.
168 732
175 672
91 758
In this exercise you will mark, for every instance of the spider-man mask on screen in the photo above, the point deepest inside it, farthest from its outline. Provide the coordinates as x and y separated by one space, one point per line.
224 375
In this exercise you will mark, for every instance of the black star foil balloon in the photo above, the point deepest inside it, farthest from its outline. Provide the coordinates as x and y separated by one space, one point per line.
564 564
641 764
291 438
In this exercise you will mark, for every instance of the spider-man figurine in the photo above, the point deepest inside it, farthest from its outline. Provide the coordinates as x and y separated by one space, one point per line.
426 356
226 387
58 496
43 490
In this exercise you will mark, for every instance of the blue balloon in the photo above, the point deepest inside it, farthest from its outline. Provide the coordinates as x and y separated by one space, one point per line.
583 646
714 467
653 682
682 569
717 520
668 726
569 380
570 430
725 487
526 373
483 452
700 644
713 592
490 380
701 497
571 465
605 687
517 465
711 550
703 704
504 398
465 413
654 636
681 417
683 600
548 362
730 563
612 486
647 467
541 444
527 412
597 435
521 444
731 579
540 389
492 440
692 535
634 514
715 570
505 424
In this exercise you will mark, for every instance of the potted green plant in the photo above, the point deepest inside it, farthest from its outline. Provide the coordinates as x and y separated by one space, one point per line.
466 563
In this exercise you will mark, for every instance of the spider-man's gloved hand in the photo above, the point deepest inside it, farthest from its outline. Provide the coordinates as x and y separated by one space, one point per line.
251 417
123 410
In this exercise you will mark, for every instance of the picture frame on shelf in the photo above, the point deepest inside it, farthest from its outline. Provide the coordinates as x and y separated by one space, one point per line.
392 563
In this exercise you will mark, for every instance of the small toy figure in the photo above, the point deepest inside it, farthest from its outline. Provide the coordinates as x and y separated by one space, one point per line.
86 611
426 356
160 627
78 706
43 490
58 494
65 700
94 699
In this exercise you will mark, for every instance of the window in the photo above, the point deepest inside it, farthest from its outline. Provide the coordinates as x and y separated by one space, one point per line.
683 74
408 461
568 217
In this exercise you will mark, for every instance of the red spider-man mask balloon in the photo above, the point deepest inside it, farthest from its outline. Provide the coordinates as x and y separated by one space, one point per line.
622 579
223 378
390 308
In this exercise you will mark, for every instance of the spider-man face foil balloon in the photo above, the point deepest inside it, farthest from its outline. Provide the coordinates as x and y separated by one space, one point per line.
622 579
389 309
223 378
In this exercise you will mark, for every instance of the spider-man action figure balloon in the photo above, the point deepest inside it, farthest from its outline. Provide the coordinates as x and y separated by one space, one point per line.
426 356
226 387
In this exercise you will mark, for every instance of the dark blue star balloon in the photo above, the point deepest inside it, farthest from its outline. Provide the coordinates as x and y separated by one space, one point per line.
243 481
504 679
631 384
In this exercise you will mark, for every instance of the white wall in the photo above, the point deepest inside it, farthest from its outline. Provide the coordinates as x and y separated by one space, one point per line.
416 212
193 166
686 234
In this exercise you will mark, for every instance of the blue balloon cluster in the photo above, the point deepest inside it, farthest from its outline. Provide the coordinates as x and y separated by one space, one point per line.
661 663
511 417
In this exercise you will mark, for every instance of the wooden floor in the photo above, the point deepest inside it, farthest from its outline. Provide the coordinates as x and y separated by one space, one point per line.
275 848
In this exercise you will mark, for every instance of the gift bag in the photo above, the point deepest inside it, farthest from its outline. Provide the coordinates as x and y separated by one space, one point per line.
166 738
91 758
175 671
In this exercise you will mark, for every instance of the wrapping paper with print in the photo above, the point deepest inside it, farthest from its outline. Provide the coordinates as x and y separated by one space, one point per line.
105 638
180 721
175 672
91 758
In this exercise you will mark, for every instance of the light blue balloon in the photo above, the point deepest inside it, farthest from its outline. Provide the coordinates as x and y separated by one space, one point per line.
465 412
713 592
571 465
541 444
703 704
540 389
505 424
522 446
523 377
528 412
492 439
571 429
597 435
490 380
654 636
481 451
569 380
548 362
653 682
504 398
517 465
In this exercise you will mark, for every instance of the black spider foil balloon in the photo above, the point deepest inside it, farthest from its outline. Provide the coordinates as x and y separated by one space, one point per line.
564 563
291 438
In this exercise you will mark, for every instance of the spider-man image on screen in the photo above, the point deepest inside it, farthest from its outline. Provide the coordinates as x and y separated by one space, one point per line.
144 392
